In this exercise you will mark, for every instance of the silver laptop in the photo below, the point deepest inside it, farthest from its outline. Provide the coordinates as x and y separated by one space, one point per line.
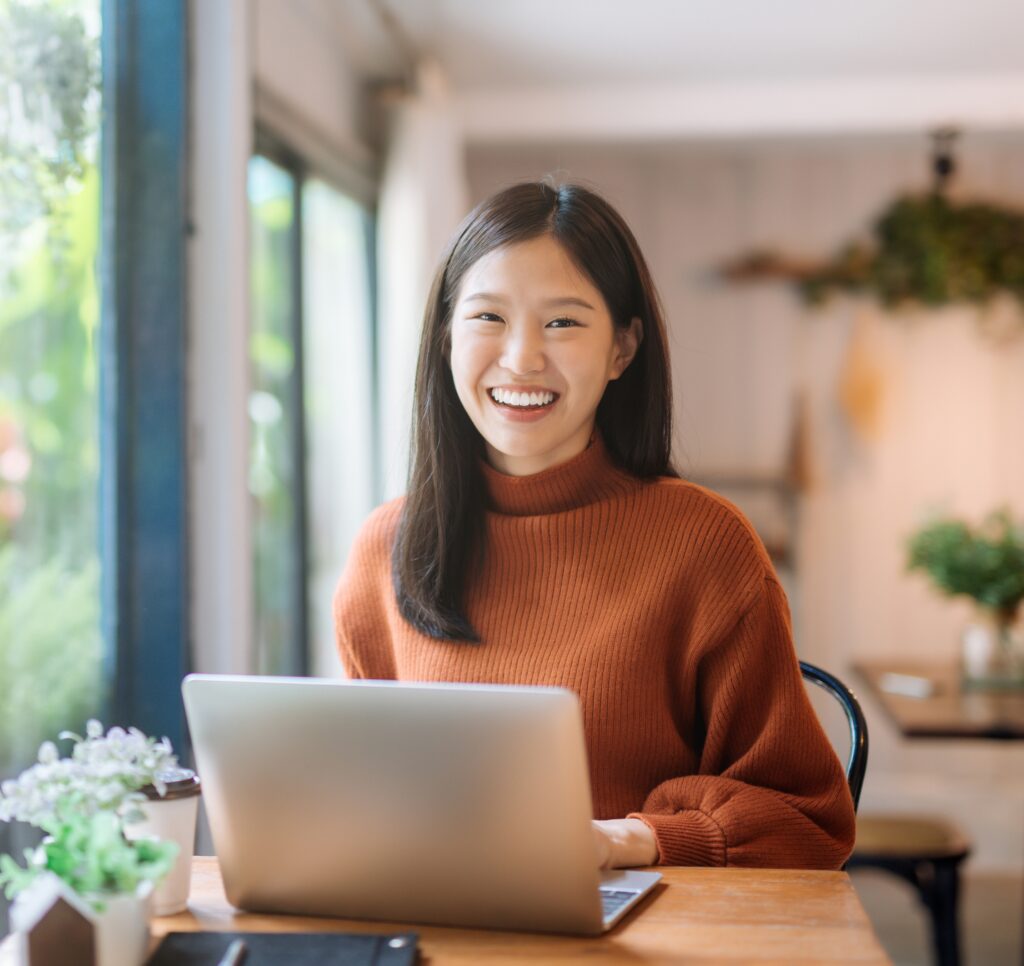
463 805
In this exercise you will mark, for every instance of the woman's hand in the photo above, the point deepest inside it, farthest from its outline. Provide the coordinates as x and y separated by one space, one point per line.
623 843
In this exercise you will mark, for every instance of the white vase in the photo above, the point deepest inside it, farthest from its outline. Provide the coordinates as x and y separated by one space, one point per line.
120 928
992 651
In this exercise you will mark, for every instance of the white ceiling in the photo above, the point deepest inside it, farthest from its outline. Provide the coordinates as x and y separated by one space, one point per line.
501 43
670 68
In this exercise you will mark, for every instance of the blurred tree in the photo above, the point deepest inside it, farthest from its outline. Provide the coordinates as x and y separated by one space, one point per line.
50 639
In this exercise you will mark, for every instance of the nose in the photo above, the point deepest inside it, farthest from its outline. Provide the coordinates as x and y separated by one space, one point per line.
522 351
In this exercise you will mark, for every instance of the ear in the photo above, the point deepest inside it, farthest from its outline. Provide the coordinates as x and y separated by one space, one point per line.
627 341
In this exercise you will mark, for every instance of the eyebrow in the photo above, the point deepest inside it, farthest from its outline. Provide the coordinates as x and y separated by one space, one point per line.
549 303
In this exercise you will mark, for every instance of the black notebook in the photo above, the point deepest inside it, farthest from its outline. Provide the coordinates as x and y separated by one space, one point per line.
291 948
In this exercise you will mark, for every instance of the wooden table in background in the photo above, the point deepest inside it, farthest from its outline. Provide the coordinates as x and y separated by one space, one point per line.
951 711
695 916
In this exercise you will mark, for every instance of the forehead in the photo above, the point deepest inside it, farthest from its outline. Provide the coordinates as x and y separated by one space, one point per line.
539 268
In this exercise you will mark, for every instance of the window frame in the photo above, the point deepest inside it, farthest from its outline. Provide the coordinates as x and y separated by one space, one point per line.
144 493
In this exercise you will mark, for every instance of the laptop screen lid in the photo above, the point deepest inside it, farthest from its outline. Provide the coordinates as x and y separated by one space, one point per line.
457 804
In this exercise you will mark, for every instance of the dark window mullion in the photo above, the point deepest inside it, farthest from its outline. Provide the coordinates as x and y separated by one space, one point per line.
143 436
300 536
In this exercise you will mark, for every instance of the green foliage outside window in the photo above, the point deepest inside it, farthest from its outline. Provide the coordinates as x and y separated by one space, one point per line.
272 469
49 73
50 642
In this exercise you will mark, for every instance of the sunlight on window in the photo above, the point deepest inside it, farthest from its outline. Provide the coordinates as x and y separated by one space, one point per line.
50 636
272 419
339 393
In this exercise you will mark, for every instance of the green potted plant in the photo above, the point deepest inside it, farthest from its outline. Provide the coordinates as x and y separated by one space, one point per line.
985 563
84 804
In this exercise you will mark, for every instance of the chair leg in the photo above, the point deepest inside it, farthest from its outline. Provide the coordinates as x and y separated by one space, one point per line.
939 886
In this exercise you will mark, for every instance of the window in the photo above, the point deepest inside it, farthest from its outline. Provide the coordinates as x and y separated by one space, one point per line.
92 462
275 417
312 472
51 652
52 656
342 482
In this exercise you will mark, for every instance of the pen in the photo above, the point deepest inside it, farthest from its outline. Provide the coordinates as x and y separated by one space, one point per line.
235 954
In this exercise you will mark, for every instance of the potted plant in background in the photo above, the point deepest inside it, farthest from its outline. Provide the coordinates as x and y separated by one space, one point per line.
985 563
87 865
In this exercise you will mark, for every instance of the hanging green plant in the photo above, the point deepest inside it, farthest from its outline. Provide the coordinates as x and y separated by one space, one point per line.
930 250
924 249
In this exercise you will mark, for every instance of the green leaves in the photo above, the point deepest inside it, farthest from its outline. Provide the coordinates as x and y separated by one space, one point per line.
14 878
50 657
49 72
930 250
986 563
92 855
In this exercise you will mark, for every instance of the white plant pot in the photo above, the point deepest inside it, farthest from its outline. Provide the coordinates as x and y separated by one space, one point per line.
122 937
120 929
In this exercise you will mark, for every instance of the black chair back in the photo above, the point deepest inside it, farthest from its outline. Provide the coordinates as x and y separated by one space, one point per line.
857 760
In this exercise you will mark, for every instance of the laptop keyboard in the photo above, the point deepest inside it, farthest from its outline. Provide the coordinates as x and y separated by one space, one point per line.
612 900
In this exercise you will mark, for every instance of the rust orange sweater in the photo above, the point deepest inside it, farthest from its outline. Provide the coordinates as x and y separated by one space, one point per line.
656 603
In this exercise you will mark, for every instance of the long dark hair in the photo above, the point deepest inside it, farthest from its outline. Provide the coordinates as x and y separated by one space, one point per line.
441 531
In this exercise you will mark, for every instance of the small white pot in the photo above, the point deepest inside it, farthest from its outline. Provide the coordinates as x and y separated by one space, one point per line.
122 937
120 930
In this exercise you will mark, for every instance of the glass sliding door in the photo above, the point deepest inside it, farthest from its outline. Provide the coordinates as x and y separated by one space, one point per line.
276 482
340 419
312 476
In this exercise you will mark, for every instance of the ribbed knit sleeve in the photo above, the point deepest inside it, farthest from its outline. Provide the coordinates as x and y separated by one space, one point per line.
768 790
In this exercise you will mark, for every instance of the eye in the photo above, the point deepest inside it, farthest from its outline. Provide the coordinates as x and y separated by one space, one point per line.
487 317
564 322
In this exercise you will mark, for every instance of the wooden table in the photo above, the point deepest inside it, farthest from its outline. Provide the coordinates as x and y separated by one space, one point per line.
950 711
695 916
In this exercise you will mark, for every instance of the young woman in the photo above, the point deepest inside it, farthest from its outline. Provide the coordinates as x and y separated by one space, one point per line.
545 539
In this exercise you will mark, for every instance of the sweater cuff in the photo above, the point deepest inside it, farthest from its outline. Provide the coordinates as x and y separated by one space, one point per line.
689 837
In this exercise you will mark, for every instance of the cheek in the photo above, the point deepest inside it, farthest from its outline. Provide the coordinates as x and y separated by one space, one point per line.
466 365
590 370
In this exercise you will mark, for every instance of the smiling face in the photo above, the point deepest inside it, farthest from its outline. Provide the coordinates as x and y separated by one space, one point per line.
533 347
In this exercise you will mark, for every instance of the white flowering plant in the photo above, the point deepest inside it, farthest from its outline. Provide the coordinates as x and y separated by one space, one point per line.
83 804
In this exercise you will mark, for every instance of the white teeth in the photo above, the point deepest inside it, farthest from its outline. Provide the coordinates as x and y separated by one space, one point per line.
522 399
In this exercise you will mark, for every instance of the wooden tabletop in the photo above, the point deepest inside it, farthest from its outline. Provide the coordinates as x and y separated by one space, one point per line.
695 916
950 710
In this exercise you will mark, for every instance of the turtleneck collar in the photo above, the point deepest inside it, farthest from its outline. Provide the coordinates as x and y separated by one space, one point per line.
587 478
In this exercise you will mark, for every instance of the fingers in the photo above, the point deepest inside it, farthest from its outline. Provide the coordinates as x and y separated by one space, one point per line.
602 846
624 843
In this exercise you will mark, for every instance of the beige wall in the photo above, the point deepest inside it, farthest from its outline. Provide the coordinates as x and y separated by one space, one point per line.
942 424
